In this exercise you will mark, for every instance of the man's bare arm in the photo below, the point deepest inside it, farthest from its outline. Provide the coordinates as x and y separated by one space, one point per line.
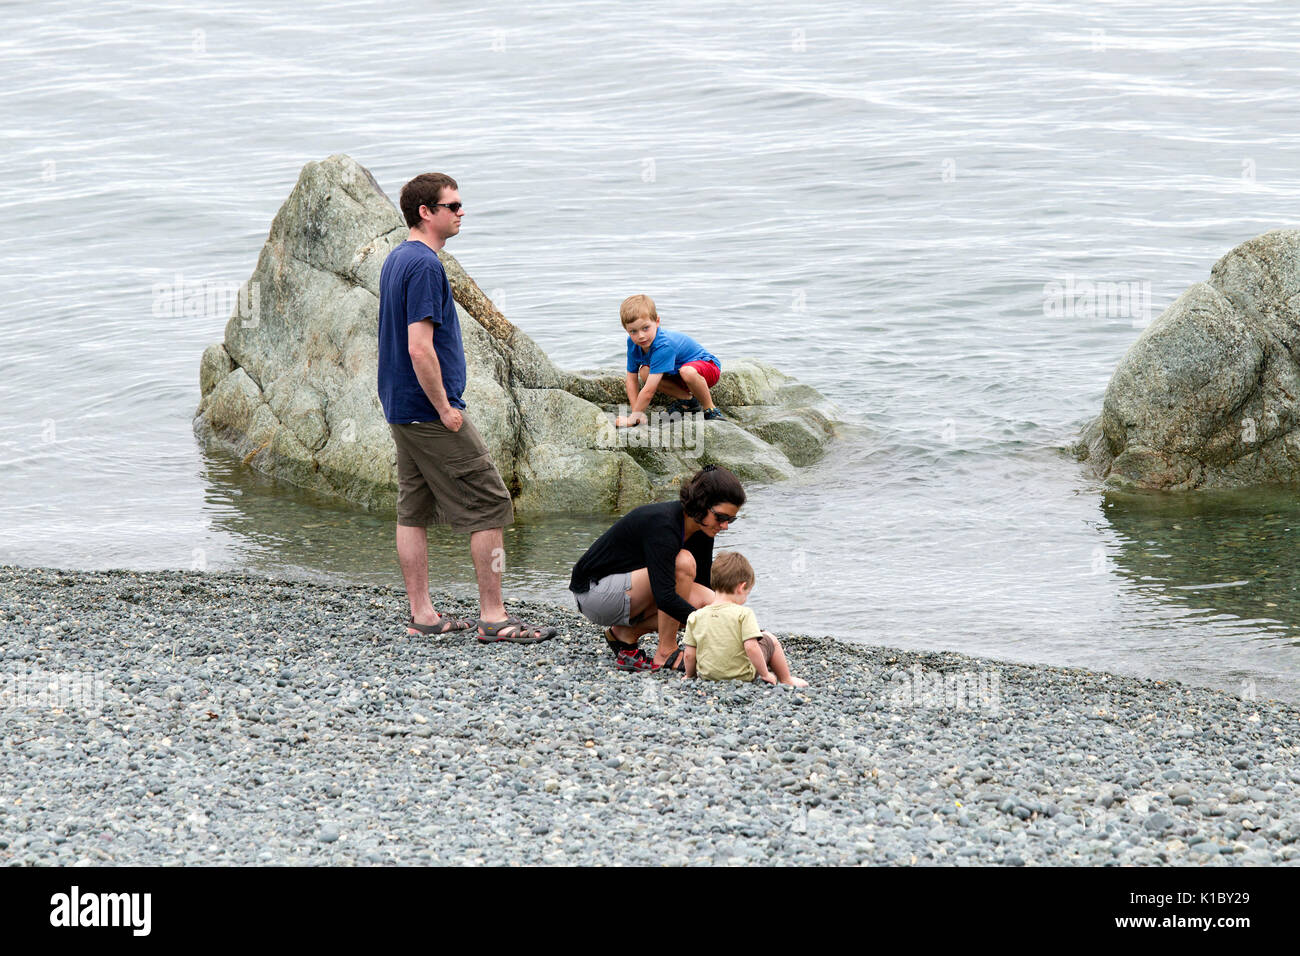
424 360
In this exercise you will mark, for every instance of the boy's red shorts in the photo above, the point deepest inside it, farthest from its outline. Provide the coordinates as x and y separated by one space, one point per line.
710 371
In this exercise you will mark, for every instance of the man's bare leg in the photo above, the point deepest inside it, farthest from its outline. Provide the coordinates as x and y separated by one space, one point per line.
487 549
413 556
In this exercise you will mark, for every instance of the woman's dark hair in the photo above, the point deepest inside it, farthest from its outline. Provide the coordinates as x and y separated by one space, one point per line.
711 485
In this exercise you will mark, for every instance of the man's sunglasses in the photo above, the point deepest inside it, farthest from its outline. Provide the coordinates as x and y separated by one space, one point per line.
722 517
453 206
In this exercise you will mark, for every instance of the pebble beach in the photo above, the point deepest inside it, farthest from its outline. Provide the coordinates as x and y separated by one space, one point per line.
225 719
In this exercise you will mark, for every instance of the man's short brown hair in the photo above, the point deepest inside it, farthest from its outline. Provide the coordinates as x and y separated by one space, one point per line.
424 190
637 307
730 570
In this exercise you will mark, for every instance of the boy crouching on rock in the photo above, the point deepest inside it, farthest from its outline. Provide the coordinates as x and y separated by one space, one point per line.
658 359
722 640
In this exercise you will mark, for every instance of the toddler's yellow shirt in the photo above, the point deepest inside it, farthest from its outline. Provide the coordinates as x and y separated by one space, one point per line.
718 634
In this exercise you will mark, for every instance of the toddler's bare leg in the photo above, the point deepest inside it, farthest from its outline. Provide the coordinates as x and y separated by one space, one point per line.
781 668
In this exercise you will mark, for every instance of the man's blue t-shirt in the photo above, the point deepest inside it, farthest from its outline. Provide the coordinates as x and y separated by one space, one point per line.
668 353
414 287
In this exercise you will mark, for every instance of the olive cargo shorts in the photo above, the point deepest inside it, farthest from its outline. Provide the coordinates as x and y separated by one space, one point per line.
448 477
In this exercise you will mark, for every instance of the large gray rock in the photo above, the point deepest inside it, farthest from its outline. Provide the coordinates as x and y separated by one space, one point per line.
292 391
1209 394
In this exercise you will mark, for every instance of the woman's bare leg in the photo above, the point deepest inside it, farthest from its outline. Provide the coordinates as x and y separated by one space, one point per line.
645 614
642 615
693 593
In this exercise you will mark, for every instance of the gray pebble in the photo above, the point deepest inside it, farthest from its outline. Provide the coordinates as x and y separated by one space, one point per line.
280 702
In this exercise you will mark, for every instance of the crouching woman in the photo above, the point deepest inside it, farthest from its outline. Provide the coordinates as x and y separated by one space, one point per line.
650 570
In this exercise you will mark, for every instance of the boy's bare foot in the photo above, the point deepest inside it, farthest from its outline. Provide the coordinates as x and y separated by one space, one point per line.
797 681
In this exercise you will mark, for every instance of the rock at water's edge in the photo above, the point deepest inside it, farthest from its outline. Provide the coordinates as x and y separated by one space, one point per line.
292 391
1209 394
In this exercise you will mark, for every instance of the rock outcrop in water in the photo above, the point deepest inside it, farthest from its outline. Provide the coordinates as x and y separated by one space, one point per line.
291 390
1209 394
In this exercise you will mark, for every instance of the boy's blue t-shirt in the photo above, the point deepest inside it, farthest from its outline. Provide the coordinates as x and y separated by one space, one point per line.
414 287
668 353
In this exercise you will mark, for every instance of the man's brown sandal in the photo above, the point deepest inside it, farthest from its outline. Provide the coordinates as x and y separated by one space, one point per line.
444 625
521 633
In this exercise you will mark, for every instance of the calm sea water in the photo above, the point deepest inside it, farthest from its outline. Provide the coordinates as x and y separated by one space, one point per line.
875 198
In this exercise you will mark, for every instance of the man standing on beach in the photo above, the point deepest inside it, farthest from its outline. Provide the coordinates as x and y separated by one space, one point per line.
445 474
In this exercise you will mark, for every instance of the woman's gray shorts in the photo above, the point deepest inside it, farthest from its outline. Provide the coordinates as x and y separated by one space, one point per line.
608 601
